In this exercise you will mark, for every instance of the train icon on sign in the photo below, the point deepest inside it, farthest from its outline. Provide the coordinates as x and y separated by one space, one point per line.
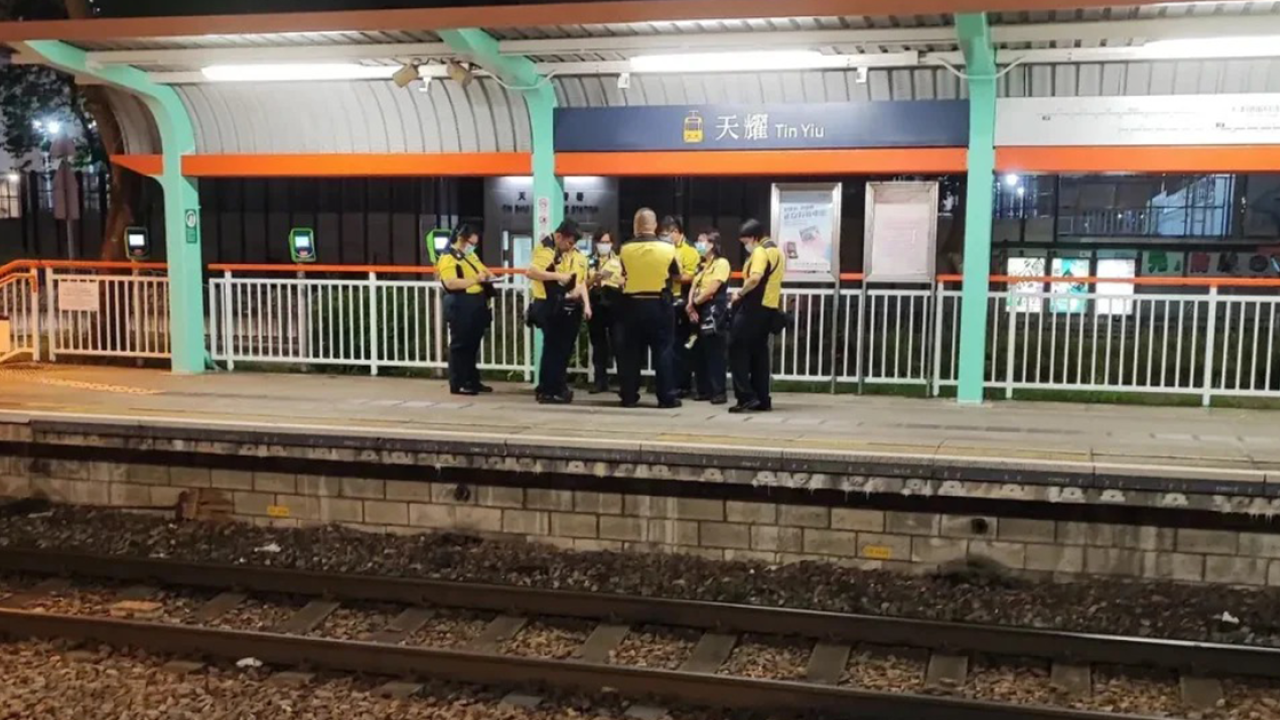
693 132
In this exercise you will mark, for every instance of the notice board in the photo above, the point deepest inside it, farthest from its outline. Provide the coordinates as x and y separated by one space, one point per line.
901 232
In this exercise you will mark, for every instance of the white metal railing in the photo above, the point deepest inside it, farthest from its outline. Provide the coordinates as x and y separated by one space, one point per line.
19 315
1189 340
106 315
1200 342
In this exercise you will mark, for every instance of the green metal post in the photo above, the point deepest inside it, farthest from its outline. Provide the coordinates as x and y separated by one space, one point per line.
975 41
181 201
520 74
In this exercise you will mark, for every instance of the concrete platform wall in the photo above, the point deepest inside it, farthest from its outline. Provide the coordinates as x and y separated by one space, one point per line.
511 504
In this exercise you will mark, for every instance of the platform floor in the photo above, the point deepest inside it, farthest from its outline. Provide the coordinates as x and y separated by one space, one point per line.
1239 440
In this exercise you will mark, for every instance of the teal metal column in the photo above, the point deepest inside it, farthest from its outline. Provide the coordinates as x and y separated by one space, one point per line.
975 41
539 96
181 201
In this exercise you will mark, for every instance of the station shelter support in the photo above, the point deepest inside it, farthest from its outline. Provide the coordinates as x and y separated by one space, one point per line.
975 42
181 200
519 74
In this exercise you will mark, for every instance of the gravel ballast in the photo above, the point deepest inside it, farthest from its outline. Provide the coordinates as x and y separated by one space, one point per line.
43 681
1106 605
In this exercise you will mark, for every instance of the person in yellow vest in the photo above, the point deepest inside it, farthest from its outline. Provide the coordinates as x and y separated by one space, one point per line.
605 282
687 258
468 288
560 300
707 310
756 313
649 265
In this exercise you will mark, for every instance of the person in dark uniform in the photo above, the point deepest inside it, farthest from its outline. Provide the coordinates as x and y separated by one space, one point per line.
605 281
649 265
468 289
756 309
687 259
708 309
559 277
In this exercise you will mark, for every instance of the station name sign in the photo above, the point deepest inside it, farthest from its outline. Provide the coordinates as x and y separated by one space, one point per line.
813 126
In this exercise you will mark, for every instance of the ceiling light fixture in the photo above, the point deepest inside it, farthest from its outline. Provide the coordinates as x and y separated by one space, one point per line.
298 72
405 75
749 61
1219 47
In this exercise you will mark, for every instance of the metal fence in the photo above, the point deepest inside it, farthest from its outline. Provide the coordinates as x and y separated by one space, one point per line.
1158 337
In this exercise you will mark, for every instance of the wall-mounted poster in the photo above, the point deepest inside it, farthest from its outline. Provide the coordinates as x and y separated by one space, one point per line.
901 232
1070 267
806 226
1163 263
1113 297
1026 297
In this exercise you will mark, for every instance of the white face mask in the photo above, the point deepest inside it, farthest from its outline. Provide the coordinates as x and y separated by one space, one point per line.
604 248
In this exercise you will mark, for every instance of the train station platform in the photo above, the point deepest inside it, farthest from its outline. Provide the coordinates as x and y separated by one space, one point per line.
875 480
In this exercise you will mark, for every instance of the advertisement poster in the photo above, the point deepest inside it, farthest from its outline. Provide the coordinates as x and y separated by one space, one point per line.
1025 297
1069 268
1163 263
806 222
1113 297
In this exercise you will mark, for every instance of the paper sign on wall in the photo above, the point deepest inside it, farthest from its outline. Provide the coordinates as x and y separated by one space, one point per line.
78 296
901 232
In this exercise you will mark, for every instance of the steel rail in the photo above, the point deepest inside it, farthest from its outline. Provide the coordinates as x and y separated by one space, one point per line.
1197 657
701 689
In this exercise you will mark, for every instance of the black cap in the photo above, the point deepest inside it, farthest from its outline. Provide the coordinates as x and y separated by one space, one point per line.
569 228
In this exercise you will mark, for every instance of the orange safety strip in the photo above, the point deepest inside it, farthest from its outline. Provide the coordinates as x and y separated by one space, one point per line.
1144 159
867 161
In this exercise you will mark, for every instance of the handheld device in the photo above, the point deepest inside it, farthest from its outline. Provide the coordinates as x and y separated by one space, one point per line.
437 242
302 245
137 243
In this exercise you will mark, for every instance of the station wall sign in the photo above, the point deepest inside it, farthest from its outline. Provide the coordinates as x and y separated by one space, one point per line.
1157 120
812 126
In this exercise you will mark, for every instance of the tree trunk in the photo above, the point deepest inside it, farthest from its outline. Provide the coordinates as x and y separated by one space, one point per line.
126 186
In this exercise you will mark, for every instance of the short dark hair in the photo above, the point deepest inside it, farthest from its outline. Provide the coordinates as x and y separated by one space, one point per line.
569 228
465 230
671 224
751 229
601 232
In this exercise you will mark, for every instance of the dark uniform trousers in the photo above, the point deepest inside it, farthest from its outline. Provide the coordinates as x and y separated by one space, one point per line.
469 319
749 353
558 338
709 359
605 338
649 327
682 359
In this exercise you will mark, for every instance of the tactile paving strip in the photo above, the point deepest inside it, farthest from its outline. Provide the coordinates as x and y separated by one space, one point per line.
32 375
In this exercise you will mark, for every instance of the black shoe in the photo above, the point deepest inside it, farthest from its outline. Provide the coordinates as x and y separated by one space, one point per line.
598 388
719 400
765 407
463 391
482 388
701 397
670 404
630 404
682 394
554 399
746 407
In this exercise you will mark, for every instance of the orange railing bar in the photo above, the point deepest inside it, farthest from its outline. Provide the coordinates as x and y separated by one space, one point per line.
21 265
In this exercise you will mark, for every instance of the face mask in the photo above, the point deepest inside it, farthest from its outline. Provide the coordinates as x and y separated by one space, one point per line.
469 249
703 248
604 248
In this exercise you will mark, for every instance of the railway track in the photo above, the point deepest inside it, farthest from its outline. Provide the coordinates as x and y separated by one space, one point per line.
124 616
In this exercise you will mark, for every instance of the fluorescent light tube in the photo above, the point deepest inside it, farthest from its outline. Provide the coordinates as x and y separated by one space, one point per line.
1220 47
298 72
755 60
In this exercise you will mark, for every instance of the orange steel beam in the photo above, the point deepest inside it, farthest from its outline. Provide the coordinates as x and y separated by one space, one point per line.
1140 159
506 16
870 161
